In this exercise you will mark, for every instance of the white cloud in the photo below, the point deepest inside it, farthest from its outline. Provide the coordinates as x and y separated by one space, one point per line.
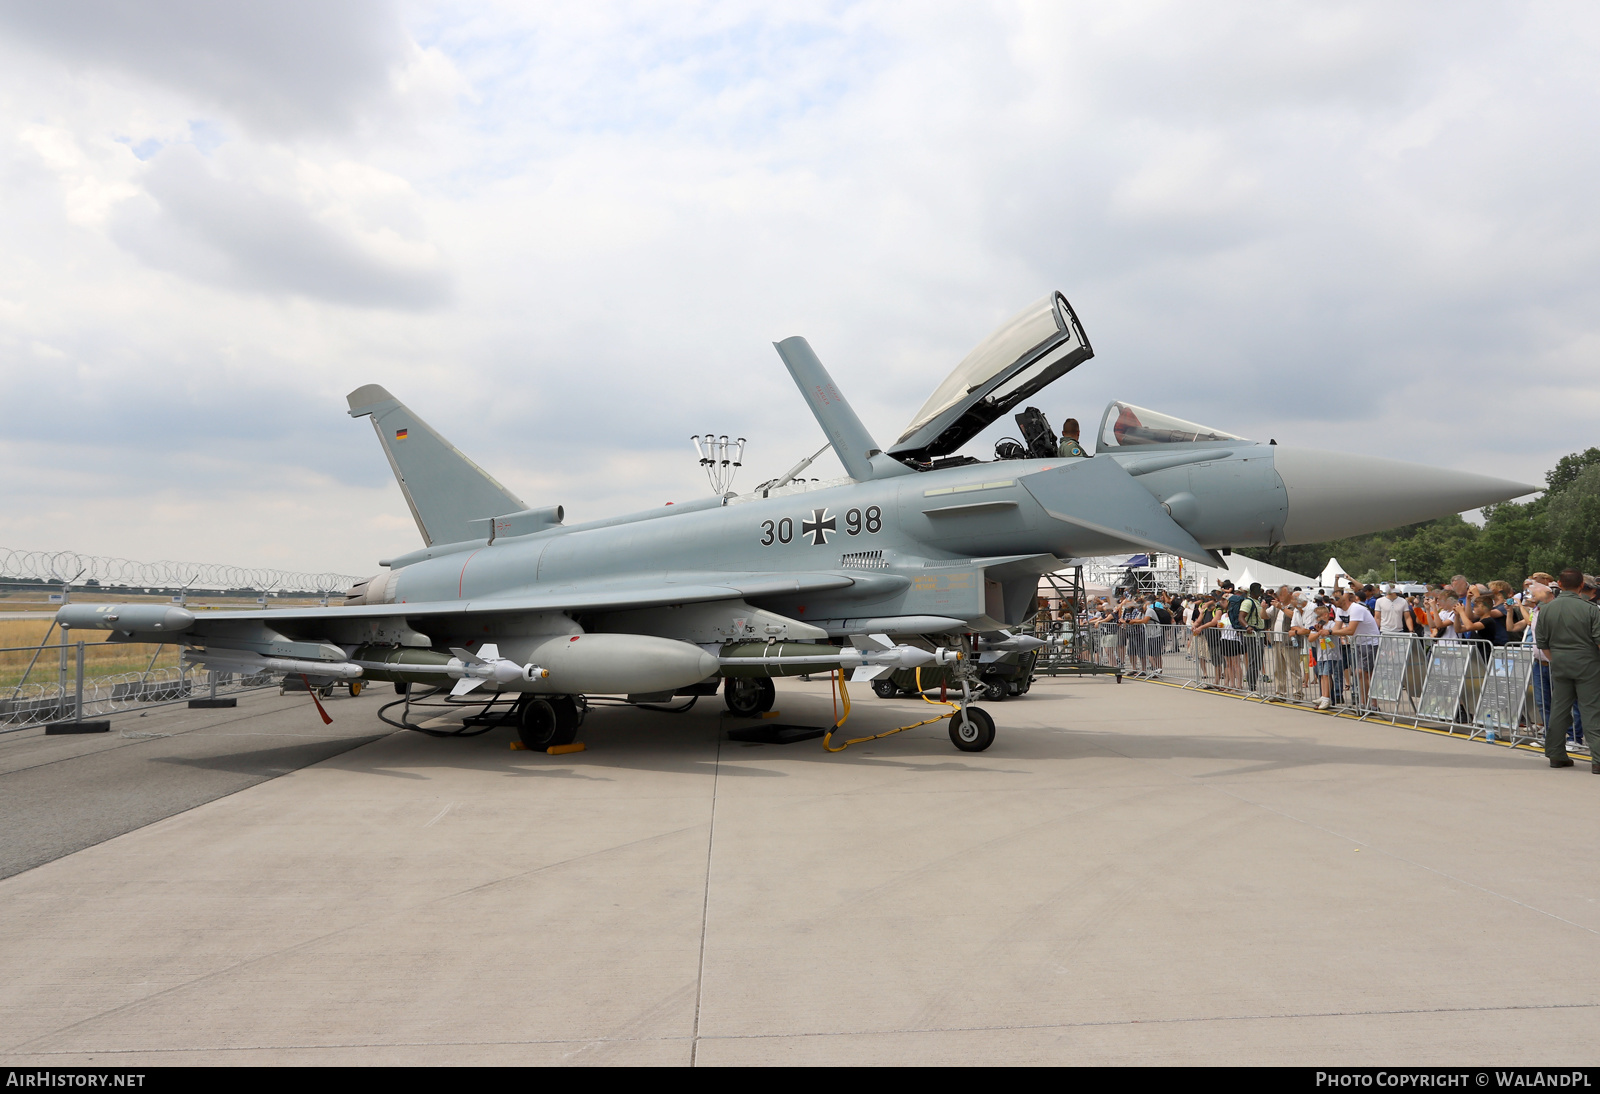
275 223
283 67
568 236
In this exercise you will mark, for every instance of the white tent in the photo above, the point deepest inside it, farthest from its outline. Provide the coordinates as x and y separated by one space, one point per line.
1242 571
1330 573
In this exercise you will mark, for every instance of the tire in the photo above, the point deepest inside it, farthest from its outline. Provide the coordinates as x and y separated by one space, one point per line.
749 696
355 688
995 688
884 689
548 721
975 732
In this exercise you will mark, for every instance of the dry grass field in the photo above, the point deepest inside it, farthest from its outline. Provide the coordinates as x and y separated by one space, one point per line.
19 638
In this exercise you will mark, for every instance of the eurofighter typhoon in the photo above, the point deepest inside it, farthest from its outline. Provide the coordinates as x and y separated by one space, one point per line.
919 557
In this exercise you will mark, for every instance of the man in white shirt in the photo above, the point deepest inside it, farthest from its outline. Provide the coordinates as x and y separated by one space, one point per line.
1392 612
1361 635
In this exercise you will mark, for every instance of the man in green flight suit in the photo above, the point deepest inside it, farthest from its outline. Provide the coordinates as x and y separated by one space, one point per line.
1069 440
1569 630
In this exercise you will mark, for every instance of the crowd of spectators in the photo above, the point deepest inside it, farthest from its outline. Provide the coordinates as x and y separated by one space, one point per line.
1329 636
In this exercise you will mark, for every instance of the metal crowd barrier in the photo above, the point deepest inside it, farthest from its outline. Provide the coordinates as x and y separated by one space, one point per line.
77 681
1465 686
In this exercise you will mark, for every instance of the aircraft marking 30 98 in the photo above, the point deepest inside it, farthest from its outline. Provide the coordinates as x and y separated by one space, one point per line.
856 521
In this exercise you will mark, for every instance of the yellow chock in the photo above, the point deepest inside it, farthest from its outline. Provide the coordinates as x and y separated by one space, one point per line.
518 746
562 750
771 713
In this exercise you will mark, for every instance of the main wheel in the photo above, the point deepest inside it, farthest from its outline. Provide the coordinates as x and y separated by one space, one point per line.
884 689
972 730
994 687
547 721
748 696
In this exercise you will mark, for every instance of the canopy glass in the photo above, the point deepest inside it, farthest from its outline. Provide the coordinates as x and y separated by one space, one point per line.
1125 425
1033 348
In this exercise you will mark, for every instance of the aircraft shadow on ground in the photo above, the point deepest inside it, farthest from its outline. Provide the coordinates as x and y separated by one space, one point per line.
623 738
271 762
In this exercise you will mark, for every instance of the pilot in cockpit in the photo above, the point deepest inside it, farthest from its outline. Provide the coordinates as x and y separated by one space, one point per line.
1069 440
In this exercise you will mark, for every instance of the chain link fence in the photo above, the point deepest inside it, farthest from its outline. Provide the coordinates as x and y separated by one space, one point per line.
78 681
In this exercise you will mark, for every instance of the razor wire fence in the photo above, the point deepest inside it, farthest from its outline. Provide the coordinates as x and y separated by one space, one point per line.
78 571
1462 686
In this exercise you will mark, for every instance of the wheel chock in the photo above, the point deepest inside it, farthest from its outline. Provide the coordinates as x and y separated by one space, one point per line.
553 750
771 713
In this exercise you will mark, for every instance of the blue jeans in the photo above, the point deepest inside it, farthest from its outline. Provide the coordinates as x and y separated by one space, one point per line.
1541 695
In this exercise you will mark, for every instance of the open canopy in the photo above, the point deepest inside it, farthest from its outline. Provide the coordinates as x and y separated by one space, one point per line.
1124 425
1035 347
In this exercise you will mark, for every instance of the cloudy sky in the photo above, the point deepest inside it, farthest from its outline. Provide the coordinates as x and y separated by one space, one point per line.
567 235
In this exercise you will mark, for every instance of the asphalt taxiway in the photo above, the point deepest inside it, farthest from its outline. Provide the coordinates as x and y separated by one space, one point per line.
1132 873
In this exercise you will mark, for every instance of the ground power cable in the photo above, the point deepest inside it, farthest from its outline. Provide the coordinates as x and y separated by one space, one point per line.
841 697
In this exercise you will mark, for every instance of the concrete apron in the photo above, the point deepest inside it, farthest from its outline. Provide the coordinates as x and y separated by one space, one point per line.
1127 875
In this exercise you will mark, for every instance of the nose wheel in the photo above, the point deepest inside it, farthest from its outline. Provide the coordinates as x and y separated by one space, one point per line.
971 729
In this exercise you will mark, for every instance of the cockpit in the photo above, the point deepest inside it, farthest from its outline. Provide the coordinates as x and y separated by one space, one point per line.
1029 351
1124 425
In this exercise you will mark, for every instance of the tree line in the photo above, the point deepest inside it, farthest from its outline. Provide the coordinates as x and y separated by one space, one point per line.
1559 528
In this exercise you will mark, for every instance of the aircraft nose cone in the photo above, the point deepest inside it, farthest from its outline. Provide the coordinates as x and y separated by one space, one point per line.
1338 494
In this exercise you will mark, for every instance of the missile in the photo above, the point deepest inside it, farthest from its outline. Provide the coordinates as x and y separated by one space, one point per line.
867 656
570 664
251 663
488 667
1010 643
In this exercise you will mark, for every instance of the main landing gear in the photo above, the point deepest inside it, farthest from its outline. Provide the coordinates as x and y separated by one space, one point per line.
749 696
547 721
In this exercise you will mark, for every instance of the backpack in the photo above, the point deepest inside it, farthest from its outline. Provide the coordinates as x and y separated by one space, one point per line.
1249 617
1163 616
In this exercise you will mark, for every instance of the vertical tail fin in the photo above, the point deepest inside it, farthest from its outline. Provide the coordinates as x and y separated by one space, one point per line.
450 496
860 454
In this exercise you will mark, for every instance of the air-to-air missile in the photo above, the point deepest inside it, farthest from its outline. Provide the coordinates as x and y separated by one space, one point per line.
918 556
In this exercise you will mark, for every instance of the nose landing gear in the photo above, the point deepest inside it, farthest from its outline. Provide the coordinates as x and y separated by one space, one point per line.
971 729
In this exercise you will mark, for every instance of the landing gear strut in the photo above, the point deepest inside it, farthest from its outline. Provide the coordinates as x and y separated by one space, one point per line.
749 696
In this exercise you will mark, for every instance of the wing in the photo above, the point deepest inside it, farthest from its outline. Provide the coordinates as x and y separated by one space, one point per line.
308 629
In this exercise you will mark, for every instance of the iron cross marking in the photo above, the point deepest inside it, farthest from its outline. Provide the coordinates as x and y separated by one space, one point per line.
818 527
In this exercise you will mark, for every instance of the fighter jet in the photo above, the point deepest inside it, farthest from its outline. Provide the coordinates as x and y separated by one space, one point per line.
919 556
